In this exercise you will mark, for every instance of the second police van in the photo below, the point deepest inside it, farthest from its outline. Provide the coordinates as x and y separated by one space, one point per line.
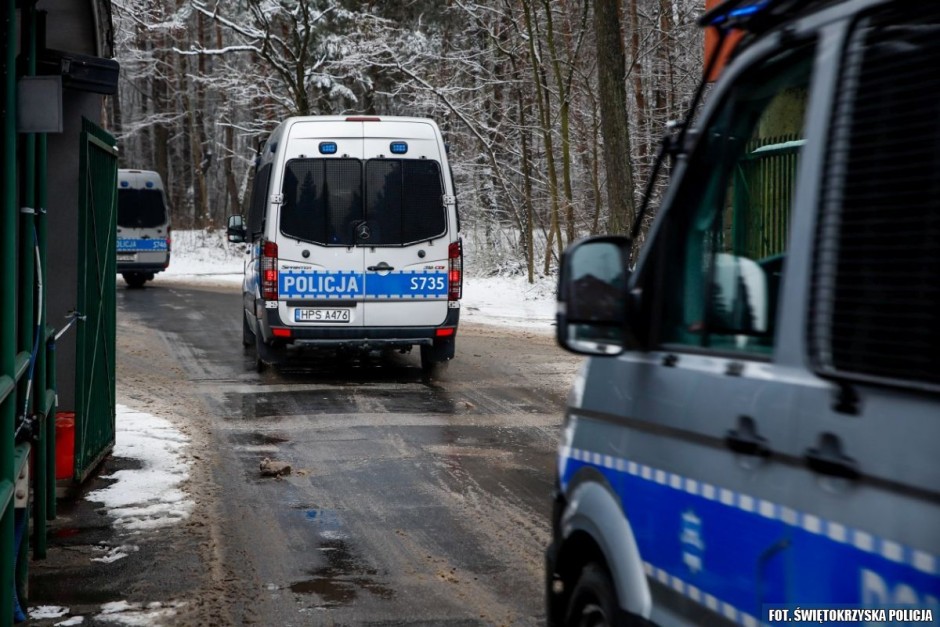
353 235
143 226
757 428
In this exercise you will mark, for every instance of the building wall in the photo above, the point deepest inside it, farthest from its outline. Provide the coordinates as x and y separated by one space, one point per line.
71 26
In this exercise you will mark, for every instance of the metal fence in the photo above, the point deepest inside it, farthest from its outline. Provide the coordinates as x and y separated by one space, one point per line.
763 194
27 342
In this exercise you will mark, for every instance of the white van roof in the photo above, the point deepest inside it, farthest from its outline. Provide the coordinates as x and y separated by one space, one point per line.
139 179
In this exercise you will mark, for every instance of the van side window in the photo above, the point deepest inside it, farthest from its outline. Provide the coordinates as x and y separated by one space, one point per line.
875 313
404 201
725 256
259 200
322 200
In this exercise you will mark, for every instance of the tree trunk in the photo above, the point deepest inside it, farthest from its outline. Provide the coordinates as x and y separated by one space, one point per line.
544 105
639 95
611 68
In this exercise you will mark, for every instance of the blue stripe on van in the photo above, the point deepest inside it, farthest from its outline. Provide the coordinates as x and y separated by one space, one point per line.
125 245
733 552
294 283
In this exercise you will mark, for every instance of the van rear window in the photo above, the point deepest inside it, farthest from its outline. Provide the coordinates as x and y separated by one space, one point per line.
322 200
401 201
404 201
141 208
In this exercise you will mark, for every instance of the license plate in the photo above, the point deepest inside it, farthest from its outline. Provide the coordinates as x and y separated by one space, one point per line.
322 315
127 257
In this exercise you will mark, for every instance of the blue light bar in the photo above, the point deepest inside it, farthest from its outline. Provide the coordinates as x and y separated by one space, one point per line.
743 10
125 184
328 148
149 184
398 148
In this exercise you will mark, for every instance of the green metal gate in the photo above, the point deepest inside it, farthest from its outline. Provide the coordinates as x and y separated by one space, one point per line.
763 193
95 347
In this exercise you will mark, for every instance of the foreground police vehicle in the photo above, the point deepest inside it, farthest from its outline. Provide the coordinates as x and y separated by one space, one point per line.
759 421
353 239
143 226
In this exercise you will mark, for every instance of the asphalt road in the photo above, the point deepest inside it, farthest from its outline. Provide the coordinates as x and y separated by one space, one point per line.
410 502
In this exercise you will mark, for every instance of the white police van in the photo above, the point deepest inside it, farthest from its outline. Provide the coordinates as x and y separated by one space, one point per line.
757 429
354 242
143 226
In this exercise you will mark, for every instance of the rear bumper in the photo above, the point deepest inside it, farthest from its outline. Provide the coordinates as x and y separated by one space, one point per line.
364 338
141 267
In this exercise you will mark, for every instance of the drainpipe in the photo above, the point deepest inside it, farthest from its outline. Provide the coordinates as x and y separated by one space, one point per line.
7 295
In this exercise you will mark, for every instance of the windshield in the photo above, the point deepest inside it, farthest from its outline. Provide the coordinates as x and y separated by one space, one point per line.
141 208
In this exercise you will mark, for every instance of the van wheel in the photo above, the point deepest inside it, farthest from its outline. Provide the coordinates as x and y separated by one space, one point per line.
248 337
593 602
134 280
431 362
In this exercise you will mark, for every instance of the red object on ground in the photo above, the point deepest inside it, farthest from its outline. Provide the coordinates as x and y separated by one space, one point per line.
64 444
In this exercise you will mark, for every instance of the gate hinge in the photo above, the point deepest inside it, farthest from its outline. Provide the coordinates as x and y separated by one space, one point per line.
449 200
277 199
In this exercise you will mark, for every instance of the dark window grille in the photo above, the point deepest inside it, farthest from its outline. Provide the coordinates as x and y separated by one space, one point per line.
259 200
141 208
404 201
876 305
322 200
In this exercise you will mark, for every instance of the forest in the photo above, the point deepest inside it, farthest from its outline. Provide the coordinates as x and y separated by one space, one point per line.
553 110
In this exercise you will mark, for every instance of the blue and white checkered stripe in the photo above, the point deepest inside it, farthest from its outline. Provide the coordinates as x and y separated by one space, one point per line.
130 245
808 531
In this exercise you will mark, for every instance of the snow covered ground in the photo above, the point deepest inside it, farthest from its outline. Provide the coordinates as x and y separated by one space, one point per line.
206 258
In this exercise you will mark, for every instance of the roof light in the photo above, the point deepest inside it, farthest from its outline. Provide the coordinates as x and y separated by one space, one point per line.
733 10
398 148
364 119
328 148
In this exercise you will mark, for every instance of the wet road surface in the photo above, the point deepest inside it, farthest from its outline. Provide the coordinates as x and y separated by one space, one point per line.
411 501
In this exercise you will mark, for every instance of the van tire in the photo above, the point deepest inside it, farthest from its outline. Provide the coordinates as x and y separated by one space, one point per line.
593 602
248 336
134 280
434 356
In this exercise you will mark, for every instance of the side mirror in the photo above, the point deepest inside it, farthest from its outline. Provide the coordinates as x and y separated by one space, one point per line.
237 232
592 296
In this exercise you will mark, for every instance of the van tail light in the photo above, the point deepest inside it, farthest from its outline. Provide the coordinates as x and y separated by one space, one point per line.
455 271
169 238
269 271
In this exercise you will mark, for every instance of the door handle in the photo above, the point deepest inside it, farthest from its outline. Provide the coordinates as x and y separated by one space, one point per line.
744 439
747 444
382 267
828 459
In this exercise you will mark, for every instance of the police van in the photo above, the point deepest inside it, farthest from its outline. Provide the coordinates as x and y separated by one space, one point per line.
353 235
143 226
756 428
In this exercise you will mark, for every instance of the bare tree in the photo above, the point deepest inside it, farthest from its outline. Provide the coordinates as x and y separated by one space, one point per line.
611 69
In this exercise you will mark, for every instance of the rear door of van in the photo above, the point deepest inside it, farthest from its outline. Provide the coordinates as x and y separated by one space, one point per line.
320 278
143 220
406 232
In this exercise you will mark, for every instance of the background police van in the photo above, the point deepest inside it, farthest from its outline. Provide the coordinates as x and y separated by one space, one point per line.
143 226
353 239
758 427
